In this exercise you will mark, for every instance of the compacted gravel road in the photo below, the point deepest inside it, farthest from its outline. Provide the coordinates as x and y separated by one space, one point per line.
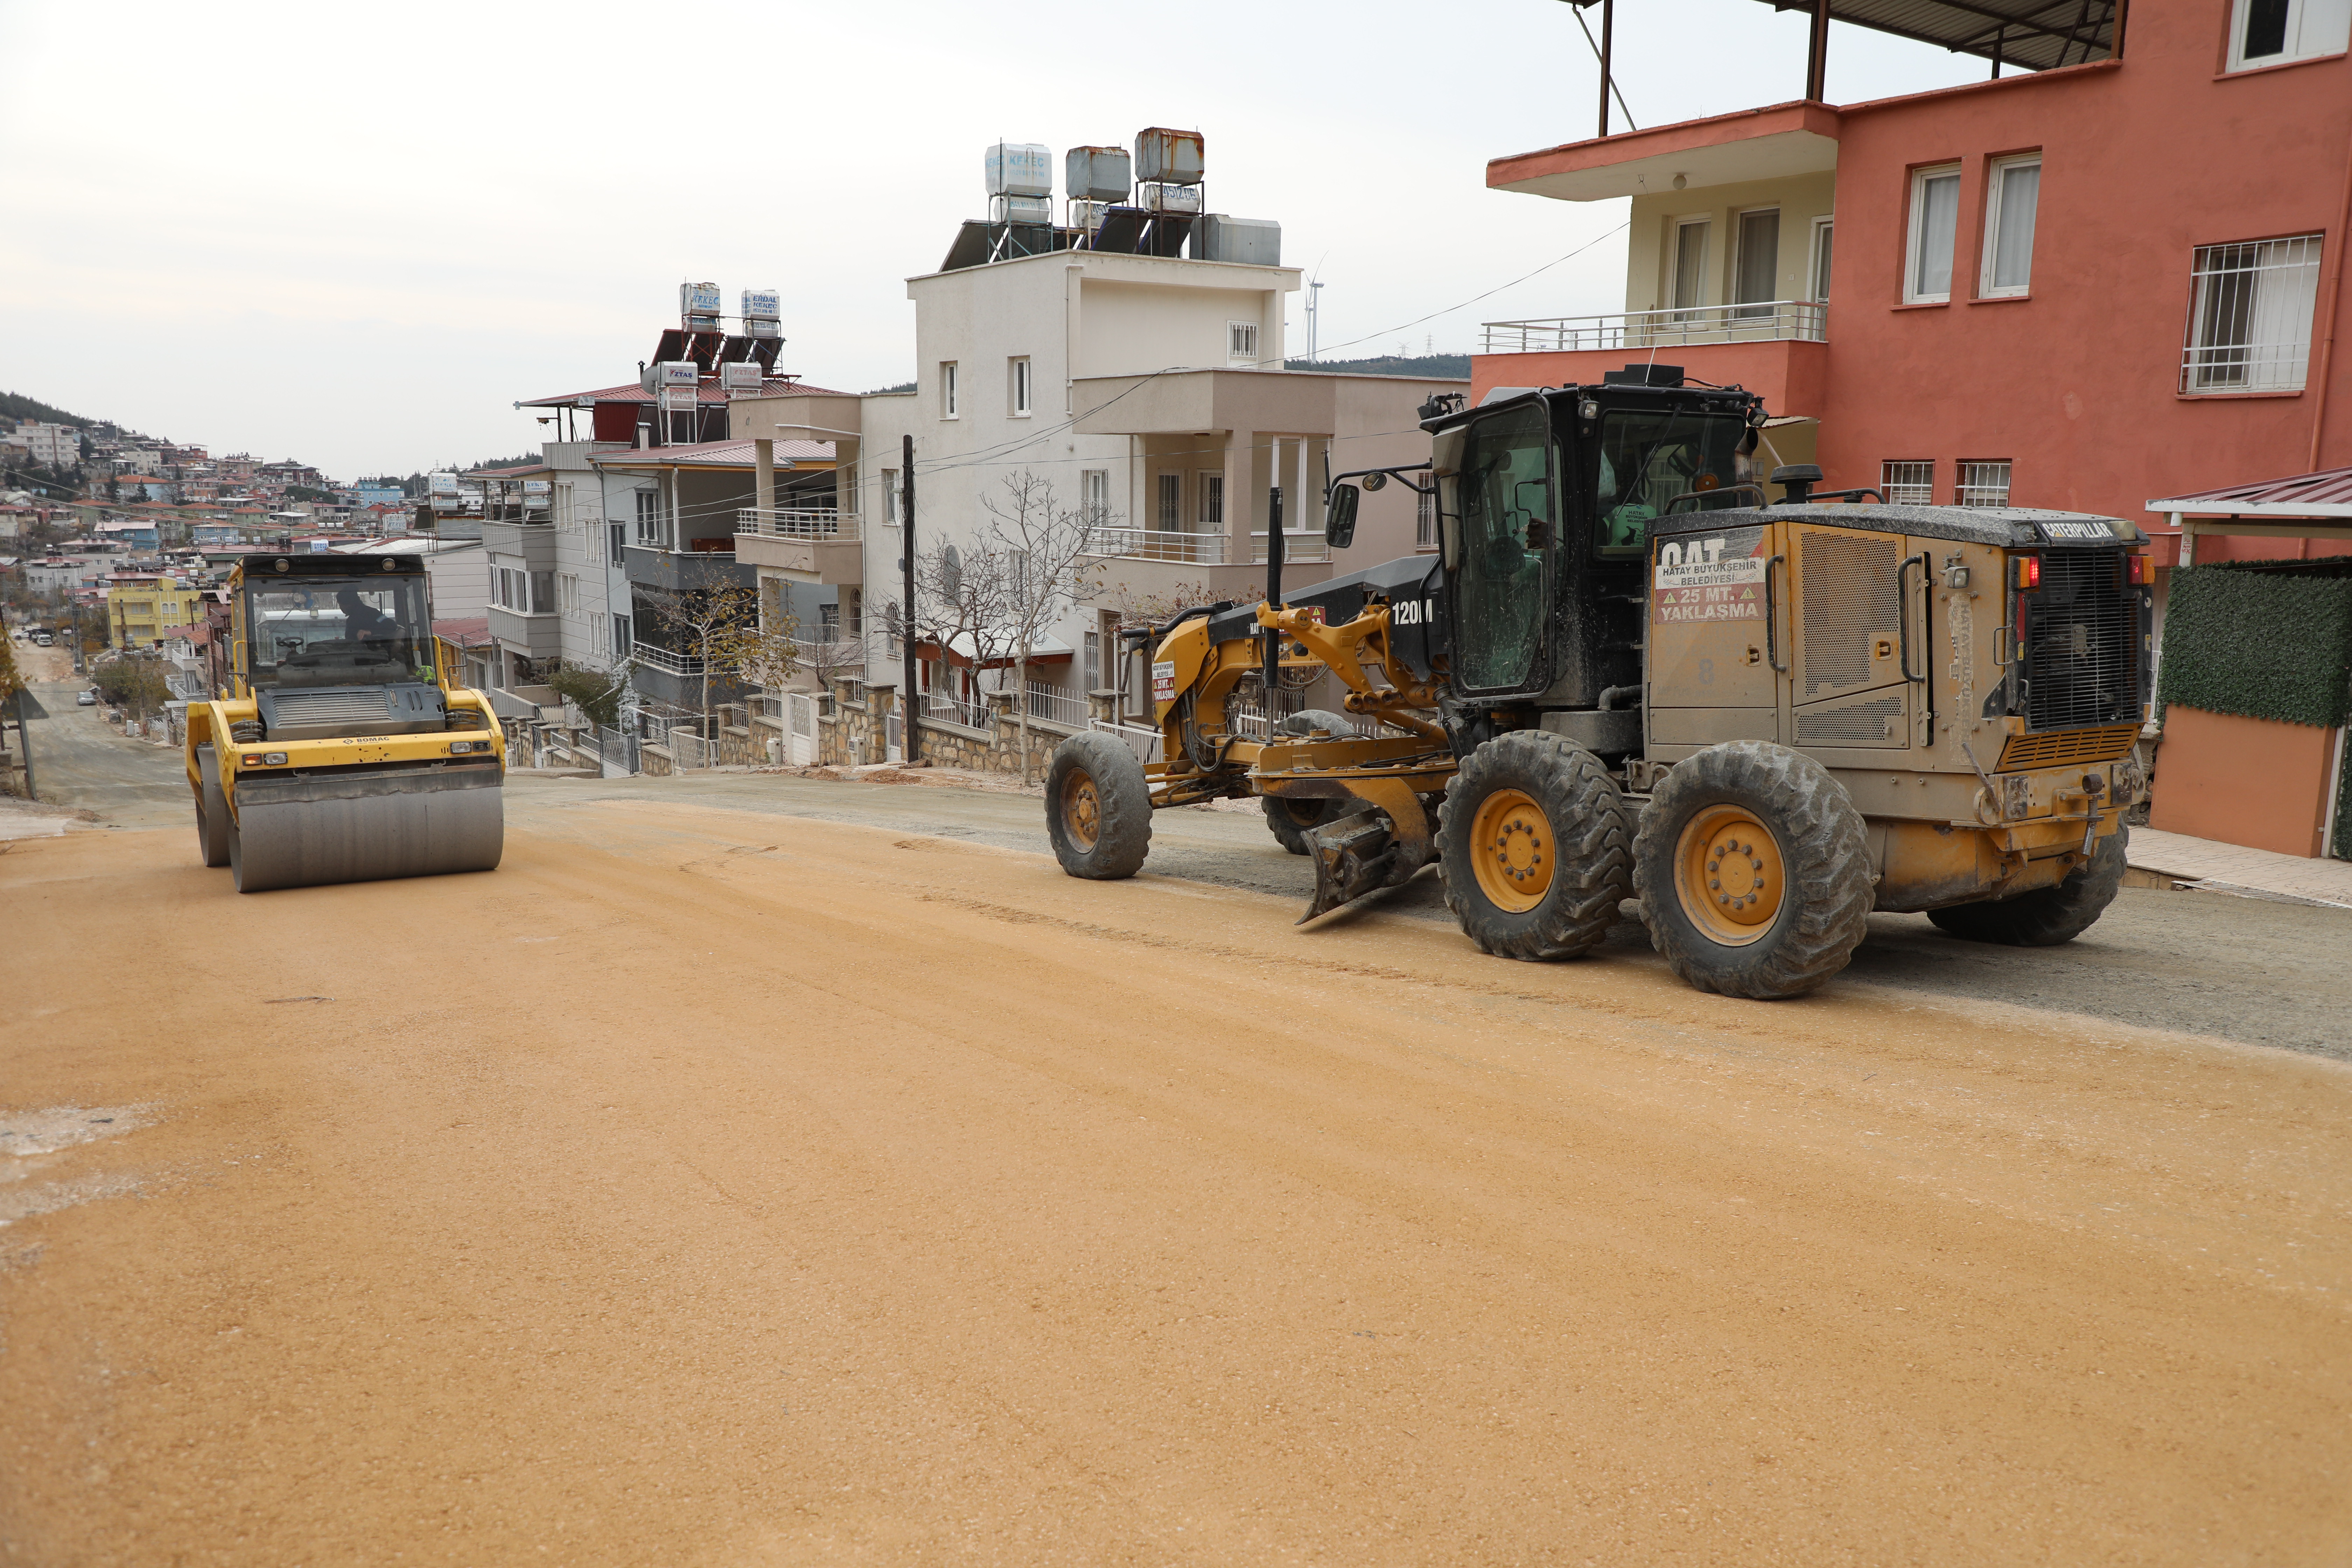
782 1172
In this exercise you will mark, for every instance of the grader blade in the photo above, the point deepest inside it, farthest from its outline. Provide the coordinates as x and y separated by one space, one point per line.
1353 855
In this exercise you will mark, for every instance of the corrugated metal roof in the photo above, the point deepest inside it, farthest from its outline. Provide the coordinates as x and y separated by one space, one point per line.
2327 493
704 392
2034 33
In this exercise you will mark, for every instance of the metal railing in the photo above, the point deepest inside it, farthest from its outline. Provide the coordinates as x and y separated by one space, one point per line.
1160 545
1297 544
664 660
971 712
1145 743
1770 320
779 523
1051 702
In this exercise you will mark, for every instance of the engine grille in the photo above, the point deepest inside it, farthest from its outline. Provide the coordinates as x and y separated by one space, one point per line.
1873 722
2066 746
2081 634
338 705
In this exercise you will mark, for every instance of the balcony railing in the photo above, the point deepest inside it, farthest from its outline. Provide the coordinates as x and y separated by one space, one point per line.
777 522
1160 545
663 659
1297 544
1772 321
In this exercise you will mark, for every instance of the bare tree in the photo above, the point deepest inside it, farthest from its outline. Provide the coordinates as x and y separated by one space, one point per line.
960 604
1050 566
763 652
706 620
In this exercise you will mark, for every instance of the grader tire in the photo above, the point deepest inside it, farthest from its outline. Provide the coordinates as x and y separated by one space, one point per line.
1535 845
1290 818
2046 916
1097 809
1753 871
212 825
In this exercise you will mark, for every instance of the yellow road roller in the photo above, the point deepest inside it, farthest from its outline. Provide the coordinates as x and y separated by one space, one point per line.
344 753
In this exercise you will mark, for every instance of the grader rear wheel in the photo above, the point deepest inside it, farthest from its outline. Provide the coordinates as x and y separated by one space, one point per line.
1097 809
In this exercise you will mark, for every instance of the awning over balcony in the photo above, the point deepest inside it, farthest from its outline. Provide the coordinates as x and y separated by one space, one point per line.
2032 35
1754 144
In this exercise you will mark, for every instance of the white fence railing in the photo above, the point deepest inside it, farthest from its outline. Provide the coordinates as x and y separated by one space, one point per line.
782 522
1161 545
1049 703
1771 320
1145 743
663 659
971 712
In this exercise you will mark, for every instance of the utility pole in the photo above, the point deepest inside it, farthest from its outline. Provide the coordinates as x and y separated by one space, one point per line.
907 744
1608 25
25 742
1274 596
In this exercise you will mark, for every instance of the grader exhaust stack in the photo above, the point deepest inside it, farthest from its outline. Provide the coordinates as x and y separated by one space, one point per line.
344 755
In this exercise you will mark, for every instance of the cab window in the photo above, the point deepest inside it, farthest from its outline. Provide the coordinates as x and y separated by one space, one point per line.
1649 456
1506 488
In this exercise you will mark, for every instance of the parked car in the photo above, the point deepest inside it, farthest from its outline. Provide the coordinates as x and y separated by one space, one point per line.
85 699
44 640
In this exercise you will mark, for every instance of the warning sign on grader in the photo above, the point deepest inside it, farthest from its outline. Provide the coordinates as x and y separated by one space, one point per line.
1709 579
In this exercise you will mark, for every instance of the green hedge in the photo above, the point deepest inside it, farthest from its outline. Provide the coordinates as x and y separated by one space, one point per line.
2261 639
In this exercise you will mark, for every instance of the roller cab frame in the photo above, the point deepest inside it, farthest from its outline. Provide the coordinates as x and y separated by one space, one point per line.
344 750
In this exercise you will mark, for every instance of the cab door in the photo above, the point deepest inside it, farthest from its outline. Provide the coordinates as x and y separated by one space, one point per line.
1501 599
1848 688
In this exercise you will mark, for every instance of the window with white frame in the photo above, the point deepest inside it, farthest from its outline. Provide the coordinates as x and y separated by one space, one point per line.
1687 285
1935 223
2250 315
1094 660
1021 387
649 519
1424 523
1209 497
591 545
1171 514
1824 237
617 538
622 640
1907 481
890 497
948 404
2272 32
604 637
568 593
1093 494
1241 342
2012 191
1756 270
1983 482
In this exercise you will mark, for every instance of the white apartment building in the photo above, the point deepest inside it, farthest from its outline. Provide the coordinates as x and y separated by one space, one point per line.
56 445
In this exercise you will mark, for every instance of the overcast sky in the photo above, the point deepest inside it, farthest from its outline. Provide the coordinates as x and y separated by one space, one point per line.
355 236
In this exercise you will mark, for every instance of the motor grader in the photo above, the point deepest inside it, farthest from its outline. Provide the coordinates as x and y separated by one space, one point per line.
1765 721
344 752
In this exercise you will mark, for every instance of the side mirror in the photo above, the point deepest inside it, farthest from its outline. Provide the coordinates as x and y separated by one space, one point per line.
1339 527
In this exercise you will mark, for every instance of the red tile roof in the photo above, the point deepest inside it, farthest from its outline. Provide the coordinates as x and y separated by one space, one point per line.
471 631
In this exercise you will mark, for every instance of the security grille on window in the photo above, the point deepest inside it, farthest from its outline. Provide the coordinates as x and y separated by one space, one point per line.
1984 483
2250 322
1209 485
1093 494
1907 483
1171 502
1094 661
1424 523
2011 194
1935 220
1241 342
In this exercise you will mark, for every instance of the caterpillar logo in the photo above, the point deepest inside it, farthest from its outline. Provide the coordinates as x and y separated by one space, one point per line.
1411 613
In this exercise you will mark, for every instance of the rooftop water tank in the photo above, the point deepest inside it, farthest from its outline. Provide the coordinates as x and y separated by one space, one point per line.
1097 173
1173 156
1020 169
1254 241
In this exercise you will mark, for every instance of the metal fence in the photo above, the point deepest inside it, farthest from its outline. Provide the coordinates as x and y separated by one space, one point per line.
811 523
971 712
1769 320
1143 742
1161 545
1051 702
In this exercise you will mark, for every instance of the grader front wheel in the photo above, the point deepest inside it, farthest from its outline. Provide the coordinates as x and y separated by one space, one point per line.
1534 842
1097 809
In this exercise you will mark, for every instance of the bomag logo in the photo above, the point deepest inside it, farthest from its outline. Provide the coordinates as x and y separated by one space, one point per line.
1412 612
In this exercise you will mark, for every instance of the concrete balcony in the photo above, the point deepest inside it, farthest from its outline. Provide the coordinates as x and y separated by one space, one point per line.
1183 548
675 571
1132 579
1789 373
807 546
1774 321
532 543
536 636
